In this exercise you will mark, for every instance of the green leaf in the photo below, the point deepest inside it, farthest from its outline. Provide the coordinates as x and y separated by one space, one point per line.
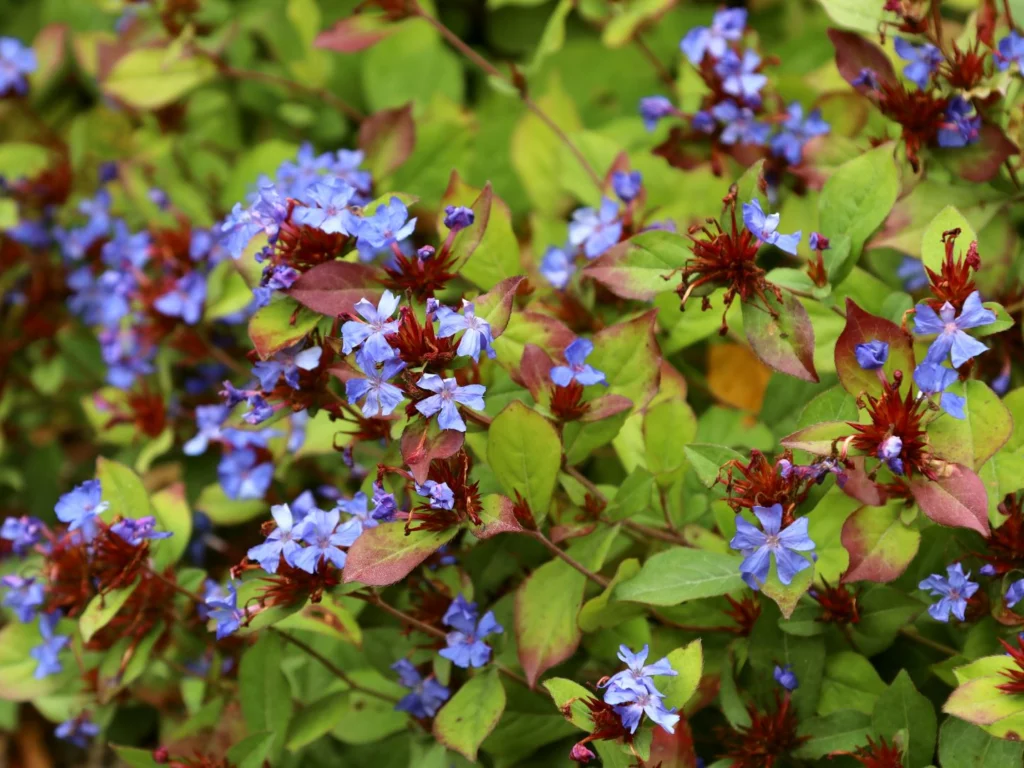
628 354
545 617
464 722
933 250
122 489
880 545
224 511
386 554
681 574
525 452
632 497
263 690
135 757
535 149
553 37
689 663
884 611
850 682
150 78
172 514
841 731
783 340
412 64
854 14
280 324
603 611
668 426
639 268
568 693
20 160
486 252
707 460
974 439
962 745
858 196
101 609
252 751
901 707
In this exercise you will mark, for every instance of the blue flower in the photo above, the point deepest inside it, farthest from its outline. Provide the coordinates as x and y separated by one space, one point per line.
912 274
185 300
425 696
24 596
447 394
440 495
389 226
23 532
631 704
324 537
241 477
596 230
126 251
281 541
465 644
264 214
889 452
381 397
47 654
209 419
796 131
627 185
934 379
740 125
785 677
385 507
1011 51
577 369
1013 594
288 362
80 507
371 333
757 546
953 591
924 60
703 121
259 410
358 508
324 207
653 109
78 731
764 228
727 25
740 77
637 675
458 217
952 338
137 531
296 177
557 267
222 607
346 167
960 128
16 62
871 355
126 358
477 334
103 299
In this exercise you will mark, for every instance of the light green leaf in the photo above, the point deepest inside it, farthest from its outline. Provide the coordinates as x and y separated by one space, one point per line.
263 690
901 707
146 78
172 514
464 722
681 574
123 489
707 460
962 745
547 604
101 609
689 663
525 452
933 250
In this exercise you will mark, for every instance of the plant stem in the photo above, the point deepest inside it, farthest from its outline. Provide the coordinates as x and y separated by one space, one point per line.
569 559
331 667
913 634
520 87
663 74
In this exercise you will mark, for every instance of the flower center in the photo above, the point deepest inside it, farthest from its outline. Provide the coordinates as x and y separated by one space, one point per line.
950 328
772 541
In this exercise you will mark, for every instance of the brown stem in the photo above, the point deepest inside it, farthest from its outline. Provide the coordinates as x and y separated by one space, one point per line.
569 559
331 667
663 74
1009 15
912 634
456 42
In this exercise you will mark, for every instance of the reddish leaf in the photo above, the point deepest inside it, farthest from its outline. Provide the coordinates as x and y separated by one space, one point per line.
422 442
467 240
535 372
861 487
280 324
880 545
854 53
495 306
498 517
388 138
333 288
386 554
640 267
354 33
784 342
674 750
981 160
958 500
862 327
547 605
605 407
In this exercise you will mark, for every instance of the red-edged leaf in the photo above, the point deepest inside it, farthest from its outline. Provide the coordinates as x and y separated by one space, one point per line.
333 288
880 545
861 487
388 138
674 750
958 500
981 160
354 33
526 328
280 324
535 372
495 306
784 342
854 53
467 240
818 438
497 516
547 604
605 407
862 327
640 267
386 554
422 442
629 355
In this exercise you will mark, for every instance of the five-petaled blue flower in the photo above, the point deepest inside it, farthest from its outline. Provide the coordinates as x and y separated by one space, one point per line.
653 109
23 532
637 675
77 730
557 267
596 230
740 77
954 590
370 332
912 274
24 596
477 334
16 61
633 703
425 697
934 379
871 355
447 394
466 647
185 299
281 541
952 338
1015 593
358 508
797 131
388 226
740 125
785 677
765 227
961 127
757 546
1011 51
222 607
137 531
209 419
80 507
288 362
728 25
47 654
924 60
324 537
325 207
577 369
381 397
440 495
241 477
385 507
